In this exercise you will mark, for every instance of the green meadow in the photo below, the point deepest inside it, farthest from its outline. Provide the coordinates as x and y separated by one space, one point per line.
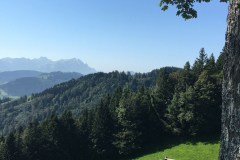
186 151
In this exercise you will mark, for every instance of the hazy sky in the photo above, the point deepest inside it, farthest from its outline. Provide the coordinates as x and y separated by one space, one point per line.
132 35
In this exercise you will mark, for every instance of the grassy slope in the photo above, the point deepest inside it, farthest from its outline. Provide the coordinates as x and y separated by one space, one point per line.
187 151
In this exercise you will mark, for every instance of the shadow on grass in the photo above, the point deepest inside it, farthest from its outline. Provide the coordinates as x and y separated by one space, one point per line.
166 142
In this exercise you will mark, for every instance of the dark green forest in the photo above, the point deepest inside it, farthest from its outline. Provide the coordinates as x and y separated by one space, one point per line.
114 115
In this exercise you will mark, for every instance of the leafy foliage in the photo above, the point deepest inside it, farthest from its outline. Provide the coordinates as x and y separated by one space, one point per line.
185 8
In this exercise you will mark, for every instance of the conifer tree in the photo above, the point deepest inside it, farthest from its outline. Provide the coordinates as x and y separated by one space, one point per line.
102 131
210 64
127 136
200 62
10 150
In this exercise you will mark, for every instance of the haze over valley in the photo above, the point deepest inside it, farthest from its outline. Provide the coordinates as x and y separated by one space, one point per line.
23 76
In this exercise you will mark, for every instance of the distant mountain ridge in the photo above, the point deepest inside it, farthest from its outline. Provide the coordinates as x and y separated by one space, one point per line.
35 84
8 76
45 65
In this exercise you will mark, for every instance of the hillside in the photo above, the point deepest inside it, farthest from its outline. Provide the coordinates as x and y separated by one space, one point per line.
74 95
45 65
28 85
8 76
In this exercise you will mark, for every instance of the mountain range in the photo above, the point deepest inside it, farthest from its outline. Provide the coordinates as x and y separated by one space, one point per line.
45 65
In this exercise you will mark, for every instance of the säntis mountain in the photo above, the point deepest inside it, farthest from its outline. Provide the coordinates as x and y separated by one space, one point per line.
45 65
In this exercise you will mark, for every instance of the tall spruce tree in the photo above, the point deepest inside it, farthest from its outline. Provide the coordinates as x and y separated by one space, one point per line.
127 137
10 150
35 144
200 62
211 64
102 131
208 103
69 140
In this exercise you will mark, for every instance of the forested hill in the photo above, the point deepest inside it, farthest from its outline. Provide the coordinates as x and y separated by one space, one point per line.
8 76
74 95
28 85
121 114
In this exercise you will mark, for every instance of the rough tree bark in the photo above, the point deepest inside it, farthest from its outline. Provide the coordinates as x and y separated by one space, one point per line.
230 138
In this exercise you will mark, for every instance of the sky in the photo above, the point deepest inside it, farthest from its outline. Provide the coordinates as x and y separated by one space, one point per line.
124 35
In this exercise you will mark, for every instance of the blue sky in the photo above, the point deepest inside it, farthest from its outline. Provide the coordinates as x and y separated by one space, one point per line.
130 35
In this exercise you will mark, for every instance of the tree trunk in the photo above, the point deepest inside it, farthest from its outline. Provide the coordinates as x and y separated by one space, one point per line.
230 138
